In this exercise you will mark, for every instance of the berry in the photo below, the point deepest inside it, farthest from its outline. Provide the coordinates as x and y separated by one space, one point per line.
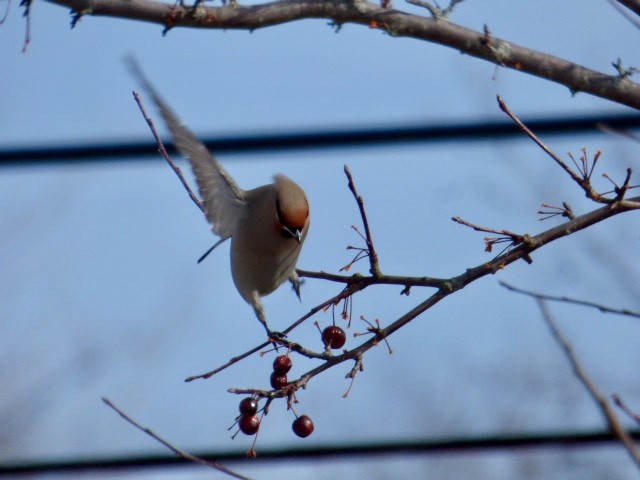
334 337
302 426
248 406
282 364
278 381
249 424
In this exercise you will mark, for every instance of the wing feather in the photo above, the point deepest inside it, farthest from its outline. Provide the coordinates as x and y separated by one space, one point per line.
223 200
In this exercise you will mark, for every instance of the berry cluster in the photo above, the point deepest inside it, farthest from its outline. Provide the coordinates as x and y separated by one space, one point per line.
333 338
249 421
302 426
281 366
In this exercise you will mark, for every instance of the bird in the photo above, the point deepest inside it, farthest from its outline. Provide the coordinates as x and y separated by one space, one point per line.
267 225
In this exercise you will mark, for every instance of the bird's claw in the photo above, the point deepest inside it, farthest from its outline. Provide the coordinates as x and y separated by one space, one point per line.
276 336
295 286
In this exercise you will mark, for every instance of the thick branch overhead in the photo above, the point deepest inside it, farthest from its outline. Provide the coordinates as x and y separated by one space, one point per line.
394 22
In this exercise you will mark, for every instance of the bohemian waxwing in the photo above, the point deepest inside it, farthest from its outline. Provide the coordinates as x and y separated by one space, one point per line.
267 225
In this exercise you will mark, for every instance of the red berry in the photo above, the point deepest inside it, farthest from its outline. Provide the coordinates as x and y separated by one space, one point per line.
282 364
334 337
302 426
248 406
279 381
249 424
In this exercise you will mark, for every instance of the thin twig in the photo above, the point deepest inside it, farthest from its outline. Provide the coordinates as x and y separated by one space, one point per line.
565 211
181 453
584 183
6 13
515 237
600 398
166 156
623 406
435 11
226 365
603 127
554 298
27 4
361 281
236 359
373 256
536 139
505 236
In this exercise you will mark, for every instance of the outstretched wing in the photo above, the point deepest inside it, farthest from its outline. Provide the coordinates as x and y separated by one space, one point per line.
223 200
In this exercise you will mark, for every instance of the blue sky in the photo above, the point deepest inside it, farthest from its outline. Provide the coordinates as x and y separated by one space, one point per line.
100 293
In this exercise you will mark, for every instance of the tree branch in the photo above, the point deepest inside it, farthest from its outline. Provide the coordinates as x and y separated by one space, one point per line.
575 301
181 453
373 256
623 406
600 398
445 288
394 22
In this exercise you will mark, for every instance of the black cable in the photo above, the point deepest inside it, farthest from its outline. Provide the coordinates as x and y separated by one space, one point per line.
413 447
356 137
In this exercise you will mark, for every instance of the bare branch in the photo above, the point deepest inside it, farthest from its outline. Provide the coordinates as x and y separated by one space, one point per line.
166 156
583 180
623 406
373 256
181 453
554 298
584 166
607 410
6 12
27 14
360 282
396 23
445 287
345 293
504 236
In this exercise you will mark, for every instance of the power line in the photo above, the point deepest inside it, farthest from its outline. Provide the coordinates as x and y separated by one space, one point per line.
356 137
412 447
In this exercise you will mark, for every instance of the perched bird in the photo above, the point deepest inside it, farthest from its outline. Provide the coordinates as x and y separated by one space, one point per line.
267 225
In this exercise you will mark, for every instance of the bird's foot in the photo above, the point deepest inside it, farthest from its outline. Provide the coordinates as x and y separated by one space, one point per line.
276 336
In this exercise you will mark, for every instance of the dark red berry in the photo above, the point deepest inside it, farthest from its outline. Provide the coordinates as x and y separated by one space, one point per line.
249 424
248 406
279 381
334 337
302 426
282 364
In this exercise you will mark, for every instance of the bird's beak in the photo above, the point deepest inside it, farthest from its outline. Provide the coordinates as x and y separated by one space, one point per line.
296 233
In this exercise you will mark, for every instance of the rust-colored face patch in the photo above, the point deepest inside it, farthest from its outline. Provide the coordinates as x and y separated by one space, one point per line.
290 217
